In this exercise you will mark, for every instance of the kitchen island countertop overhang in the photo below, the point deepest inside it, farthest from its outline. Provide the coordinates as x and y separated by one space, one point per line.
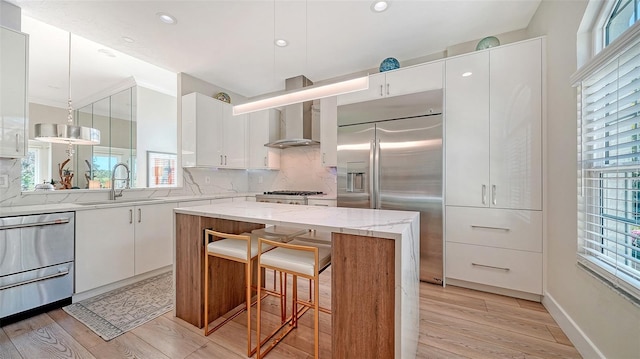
375 256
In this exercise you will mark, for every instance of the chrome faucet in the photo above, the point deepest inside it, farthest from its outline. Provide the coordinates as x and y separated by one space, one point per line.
112 194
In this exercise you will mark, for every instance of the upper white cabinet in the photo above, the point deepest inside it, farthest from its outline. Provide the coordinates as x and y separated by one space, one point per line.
13 93
329 131
493 128
211 135
263 127
398 82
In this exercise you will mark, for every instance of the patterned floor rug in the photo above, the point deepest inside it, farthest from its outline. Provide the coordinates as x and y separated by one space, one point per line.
118 311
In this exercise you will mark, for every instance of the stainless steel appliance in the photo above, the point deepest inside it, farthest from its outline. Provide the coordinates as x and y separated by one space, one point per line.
395 161
36 261
288 197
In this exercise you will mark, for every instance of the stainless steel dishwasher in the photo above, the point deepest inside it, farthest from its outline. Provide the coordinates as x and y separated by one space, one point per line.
36 261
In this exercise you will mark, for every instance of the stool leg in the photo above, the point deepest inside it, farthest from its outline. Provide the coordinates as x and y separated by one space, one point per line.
248 304
258 313
206 292
316 315
294 302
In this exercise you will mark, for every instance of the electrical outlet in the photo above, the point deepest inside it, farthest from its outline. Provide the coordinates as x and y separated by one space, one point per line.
207 180
4 181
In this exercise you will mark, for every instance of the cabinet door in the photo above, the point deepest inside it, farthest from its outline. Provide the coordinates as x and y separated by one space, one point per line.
374 92
467 130
234 138
516 126
104 247
329 131
414 79
263 127
13 97
201 131
153 236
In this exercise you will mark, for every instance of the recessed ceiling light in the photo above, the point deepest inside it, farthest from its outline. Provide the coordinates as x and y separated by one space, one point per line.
281 42
107 52
379 6
467 74
166 18
128 39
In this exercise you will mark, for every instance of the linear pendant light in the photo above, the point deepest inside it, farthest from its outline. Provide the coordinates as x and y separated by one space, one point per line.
67 133
307 94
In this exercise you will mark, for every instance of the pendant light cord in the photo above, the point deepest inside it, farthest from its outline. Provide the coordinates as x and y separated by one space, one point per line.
70 116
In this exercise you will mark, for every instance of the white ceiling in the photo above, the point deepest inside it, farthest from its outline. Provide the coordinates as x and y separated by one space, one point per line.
230 43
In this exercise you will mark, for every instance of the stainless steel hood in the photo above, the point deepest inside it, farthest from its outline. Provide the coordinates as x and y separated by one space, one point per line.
298 120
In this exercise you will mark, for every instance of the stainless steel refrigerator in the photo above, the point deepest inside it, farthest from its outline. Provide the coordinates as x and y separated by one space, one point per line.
396 163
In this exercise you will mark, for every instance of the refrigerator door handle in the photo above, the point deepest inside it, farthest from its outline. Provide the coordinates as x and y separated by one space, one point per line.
377 181
372 174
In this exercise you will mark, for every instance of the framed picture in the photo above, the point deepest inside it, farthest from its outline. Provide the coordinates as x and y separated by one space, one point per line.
161 169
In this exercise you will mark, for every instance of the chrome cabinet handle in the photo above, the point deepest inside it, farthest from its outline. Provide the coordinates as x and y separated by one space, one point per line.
381 91
59 274
487 227
323 158
139 215
265 161
130 216
17 141
225 160
492 267
493 195
387 89
484 194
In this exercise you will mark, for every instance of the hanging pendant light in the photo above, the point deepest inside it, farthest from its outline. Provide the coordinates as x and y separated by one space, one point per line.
67 133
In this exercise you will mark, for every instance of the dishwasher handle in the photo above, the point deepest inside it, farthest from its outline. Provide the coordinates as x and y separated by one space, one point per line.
61 273
36 224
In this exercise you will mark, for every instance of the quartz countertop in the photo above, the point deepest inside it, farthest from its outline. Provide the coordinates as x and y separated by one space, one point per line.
360 221
6 211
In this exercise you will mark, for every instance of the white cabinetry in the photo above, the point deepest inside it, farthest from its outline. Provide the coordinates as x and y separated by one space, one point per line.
493 131
13 94
211 135
153 237
493 141
322 202
329 131
263 127
398 82
117 243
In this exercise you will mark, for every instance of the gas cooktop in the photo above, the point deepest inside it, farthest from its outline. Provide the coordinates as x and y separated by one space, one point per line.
294 193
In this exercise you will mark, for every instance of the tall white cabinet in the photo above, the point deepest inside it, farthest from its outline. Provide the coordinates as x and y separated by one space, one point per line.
263 127
493 145
13 93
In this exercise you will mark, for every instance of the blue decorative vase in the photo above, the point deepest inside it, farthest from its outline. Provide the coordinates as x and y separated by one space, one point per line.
389 64
487 42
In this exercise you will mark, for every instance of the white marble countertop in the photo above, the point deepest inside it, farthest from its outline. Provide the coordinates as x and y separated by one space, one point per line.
366 222
6 211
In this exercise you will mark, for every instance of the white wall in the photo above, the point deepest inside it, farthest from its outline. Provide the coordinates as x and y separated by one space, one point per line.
610 322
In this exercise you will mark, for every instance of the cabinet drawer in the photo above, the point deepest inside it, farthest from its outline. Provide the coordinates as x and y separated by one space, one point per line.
503 228
505 268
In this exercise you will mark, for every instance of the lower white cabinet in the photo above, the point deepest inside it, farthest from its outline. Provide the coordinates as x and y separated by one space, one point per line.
153 237
496 247
322 202
117 243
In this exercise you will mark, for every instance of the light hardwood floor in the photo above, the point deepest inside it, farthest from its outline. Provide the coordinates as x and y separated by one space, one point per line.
454 323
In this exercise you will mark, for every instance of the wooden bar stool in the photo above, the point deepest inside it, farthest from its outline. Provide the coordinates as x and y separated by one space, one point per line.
301 257
241 248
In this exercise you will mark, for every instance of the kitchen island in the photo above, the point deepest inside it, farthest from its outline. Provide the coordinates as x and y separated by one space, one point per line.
375 266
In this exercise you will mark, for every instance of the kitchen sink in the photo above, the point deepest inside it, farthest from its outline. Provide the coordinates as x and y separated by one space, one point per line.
119 201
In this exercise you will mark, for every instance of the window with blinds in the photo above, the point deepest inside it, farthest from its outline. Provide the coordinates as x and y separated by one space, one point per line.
609 155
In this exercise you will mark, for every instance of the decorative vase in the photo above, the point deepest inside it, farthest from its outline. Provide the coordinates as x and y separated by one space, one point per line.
389 63
222 96
487 42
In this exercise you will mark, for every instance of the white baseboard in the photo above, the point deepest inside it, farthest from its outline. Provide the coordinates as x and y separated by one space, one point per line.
580 341
105 288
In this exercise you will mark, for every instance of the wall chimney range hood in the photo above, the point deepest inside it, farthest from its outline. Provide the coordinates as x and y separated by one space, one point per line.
297 117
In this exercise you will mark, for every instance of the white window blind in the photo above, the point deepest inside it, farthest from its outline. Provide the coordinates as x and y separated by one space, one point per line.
609 155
